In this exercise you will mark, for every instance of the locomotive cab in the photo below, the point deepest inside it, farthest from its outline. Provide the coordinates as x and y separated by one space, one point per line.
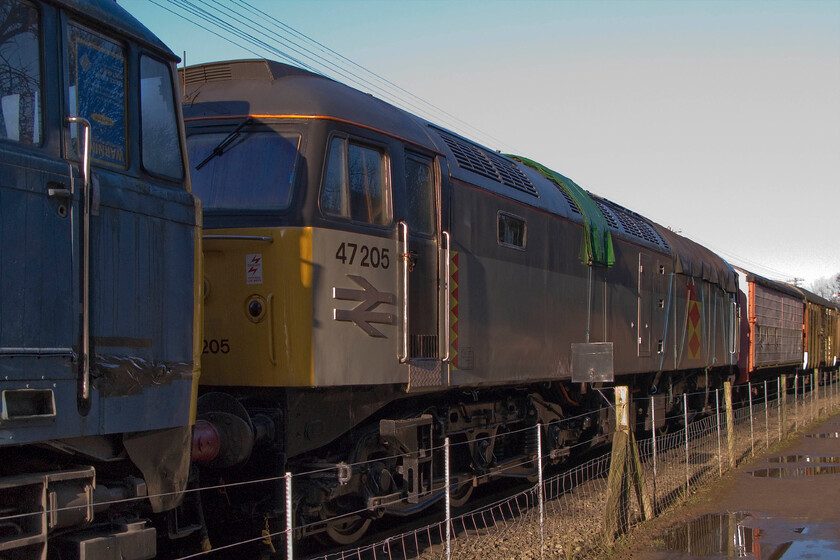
98 302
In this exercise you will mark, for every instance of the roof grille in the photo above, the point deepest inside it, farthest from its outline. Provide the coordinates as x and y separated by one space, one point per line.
608 215
487 164
631 223
571 201
207 73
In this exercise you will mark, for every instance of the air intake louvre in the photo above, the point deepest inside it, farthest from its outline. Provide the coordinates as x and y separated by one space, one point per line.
487 164
631 223
608 215
572 204
208 73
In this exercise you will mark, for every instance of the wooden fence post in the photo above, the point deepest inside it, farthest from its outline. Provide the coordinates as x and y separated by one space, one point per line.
625 466
730 422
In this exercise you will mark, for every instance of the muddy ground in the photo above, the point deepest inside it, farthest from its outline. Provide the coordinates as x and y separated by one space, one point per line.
796 516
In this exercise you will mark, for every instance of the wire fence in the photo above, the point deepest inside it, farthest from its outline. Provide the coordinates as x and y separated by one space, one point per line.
553 510
678 458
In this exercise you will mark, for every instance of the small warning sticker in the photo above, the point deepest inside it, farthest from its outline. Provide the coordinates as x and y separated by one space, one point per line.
253 269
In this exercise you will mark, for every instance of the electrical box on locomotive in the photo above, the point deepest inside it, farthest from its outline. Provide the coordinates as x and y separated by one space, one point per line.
98 269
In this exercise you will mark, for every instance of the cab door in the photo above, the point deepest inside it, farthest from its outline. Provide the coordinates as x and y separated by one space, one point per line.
38 212
421 229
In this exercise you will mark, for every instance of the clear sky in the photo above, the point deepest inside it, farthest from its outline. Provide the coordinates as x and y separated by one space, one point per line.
720 119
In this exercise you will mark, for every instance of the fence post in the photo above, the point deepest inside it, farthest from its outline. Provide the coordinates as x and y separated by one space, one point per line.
783 405
685 421
625 457
540 490
766 416
752 432
717 417
448 498
730 422
795 402
290 536
653 440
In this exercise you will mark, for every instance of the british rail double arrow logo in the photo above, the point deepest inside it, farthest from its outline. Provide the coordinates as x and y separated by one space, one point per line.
363 314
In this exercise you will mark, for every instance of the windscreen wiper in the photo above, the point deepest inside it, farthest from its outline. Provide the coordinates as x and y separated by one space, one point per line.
220 147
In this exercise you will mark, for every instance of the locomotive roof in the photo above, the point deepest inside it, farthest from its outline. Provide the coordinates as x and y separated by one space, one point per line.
269 88
266 88
110 14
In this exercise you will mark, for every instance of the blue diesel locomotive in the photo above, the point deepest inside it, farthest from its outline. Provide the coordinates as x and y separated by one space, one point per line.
99 260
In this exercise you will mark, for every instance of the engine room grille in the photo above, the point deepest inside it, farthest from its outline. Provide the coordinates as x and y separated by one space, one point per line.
207 73
608 215
571 201
487 164
631 224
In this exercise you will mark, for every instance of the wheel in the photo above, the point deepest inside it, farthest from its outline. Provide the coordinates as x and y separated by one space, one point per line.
347 530
461 495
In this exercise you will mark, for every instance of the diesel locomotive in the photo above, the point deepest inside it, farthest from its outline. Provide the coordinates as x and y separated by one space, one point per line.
367 284
99 307
374 283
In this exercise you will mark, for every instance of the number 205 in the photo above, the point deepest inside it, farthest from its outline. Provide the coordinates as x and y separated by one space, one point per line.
215 346
372 257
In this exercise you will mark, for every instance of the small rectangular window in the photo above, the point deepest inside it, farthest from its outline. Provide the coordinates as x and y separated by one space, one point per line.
20 73
511 231
356 184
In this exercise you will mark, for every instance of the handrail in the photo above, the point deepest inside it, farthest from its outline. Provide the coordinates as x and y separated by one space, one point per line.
406 258
241 237
84 366
446 298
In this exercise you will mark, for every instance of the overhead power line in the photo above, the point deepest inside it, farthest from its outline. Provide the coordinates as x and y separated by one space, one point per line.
242 24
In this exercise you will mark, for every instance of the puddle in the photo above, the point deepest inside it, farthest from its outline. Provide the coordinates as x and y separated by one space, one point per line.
799 550
717 535
794 472
833 435
803 459
740 535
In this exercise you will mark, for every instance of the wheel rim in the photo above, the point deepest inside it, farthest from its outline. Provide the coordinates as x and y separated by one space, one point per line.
347 530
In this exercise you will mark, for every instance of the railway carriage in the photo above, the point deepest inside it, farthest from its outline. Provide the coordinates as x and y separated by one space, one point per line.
375 283
98 302
786 329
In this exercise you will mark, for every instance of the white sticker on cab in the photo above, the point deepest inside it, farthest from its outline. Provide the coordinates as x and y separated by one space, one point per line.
253 269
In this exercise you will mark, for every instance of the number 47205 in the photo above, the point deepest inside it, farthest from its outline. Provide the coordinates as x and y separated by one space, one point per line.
372 257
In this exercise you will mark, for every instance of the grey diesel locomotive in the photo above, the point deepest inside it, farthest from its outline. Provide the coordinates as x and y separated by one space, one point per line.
375 283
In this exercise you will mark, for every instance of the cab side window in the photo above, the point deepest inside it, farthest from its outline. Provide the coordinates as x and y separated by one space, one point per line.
420 190
158 120
20 73
97 93
356 183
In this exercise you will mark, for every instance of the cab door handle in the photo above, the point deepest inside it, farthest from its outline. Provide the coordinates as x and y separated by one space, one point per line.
59 190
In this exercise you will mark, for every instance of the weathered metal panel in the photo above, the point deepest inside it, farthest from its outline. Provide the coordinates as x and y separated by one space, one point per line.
776 320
